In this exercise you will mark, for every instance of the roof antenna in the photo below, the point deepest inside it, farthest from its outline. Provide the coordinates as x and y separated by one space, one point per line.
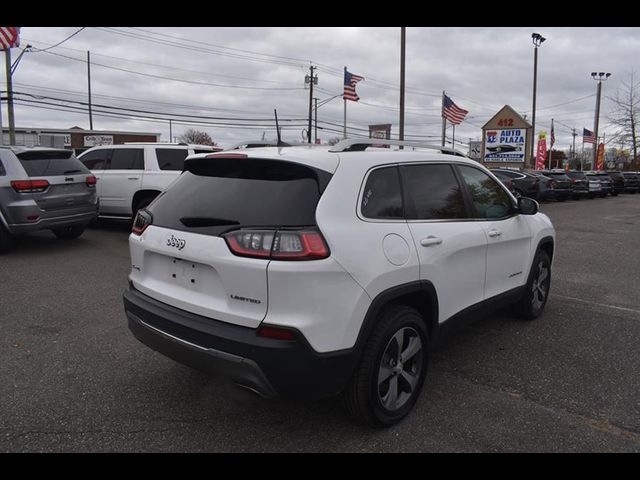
280 142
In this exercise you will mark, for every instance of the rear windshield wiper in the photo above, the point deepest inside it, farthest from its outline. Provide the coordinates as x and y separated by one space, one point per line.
67 172
206 222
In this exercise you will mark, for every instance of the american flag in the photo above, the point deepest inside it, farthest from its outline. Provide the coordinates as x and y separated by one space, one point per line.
588 136
553 136
452 112
350 81
9 37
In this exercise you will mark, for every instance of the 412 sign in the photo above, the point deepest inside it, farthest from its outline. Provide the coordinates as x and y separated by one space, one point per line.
505 122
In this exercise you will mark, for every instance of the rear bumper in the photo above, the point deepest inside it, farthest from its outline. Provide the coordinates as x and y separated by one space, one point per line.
18 223
267 366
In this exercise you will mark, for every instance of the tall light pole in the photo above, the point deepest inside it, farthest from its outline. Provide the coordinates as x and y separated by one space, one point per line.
311 80
403 32
598 77
537 41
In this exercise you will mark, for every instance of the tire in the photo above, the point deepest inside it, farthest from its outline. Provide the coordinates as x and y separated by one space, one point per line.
536 293
70 232
6 240
399 330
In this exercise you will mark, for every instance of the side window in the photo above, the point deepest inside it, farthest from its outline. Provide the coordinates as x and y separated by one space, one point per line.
171 158
489 199
96 159
126 159
432 193
382 196
2 171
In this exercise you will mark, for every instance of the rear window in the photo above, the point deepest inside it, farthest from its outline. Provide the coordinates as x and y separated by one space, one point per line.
382 197
217 195
171 158
50 163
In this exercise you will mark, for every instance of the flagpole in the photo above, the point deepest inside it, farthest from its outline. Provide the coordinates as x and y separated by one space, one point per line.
444 120
453 138
551 147
345 117
345 108
582 156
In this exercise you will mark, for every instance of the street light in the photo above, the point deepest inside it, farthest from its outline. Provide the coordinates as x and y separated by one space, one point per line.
598 77
537 41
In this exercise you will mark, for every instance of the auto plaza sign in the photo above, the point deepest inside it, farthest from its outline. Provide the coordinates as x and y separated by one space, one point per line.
506 145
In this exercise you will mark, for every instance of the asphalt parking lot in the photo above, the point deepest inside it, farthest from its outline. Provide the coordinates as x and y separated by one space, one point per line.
73 379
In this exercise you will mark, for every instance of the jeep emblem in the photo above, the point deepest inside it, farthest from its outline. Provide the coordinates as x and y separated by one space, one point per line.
178 243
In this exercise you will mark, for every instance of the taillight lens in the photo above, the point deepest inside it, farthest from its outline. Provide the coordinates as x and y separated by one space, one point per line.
276 332
277 244
91 181
29 186
141 222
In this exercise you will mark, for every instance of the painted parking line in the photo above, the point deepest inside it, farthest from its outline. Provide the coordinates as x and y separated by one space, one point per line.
604 305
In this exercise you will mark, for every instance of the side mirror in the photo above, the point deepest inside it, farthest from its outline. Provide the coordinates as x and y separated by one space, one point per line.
527 206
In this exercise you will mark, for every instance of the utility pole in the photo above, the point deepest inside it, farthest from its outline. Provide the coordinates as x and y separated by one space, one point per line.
573 154
316 120
402 64
599 77
311 80
89 80
89 89
12 125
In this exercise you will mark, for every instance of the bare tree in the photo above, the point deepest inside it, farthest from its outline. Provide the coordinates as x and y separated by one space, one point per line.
192 135
625 112
334 140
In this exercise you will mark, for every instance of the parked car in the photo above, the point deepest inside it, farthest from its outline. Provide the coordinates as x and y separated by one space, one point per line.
546 186
595 186
506 181
561 183
579 184
631 182
131 175
618 182
606 183
44 189
524 185
321 238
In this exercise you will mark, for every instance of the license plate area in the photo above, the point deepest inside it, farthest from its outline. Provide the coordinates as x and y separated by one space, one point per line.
184 273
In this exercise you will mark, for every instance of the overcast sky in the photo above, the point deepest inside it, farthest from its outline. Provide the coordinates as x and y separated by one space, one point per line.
244 73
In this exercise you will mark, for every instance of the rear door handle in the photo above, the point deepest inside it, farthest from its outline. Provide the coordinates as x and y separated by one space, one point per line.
134 178
430 240
494 233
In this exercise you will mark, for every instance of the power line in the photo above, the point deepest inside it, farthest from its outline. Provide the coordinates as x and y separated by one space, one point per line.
59 43
193 82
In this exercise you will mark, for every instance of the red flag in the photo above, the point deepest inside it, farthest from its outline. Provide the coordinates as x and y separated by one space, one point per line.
600 164
9 37
541 154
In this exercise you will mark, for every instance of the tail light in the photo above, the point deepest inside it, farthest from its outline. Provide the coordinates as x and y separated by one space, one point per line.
29 186
276 332
277 244
141 222
91 181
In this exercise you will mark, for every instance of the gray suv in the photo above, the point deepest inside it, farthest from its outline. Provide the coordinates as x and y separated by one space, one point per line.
44 189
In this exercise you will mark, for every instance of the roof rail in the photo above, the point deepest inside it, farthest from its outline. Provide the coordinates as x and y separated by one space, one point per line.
360 144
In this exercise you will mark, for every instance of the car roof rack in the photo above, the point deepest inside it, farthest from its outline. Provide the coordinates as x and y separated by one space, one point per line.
361 144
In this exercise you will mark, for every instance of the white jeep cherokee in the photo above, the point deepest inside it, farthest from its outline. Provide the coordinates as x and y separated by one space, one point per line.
310 272
131 175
